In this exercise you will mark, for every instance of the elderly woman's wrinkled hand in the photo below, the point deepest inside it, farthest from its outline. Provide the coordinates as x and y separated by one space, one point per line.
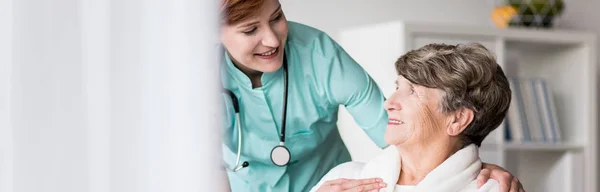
508 183
352 185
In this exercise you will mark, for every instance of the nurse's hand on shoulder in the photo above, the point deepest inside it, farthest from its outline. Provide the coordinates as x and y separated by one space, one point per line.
352 185
508 183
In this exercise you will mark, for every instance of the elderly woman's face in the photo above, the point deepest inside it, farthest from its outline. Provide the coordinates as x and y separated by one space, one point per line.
415 115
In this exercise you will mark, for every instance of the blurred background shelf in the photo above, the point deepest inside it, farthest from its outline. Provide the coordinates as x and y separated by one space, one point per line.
542 146
558 147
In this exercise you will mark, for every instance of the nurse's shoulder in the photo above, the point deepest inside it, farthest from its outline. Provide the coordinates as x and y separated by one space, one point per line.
311 40
333 71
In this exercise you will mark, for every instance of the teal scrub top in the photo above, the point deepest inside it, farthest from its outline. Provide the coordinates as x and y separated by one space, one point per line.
322 76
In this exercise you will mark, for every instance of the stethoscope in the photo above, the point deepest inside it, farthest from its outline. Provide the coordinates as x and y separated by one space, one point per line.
280 155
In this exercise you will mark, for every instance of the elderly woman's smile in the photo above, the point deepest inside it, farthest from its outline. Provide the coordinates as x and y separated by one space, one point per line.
395 122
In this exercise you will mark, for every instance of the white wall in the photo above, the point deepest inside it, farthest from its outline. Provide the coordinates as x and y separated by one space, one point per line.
329 15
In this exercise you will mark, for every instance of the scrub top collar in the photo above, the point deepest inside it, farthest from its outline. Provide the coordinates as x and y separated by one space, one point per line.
244 81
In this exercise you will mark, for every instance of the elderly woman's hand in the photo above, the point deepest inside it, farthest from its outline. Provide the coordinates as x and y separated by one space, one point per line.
352 185
505 179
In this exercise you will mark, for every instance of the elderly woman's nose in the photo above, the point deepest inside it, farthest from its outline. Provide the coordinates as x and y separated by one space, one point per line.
391 104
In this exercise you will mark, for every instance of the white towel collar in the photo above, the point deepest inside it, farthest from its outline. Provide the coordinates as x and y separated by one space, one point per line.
453 174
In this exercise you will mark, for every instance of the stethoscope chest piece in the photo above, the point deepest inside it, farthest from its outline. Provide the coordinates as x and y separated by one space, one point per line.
280 155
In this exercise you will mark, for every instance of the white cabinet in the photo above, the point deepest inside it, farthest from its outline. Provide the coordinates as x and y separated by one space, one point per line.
564 59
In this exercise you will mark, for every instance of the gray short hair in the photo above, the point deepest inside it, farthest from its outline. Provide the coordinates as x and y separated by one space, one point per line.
470 77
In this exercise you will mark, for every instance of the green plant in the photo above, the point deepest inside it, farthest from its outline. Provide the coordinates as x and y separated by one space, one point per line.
537 7
536 13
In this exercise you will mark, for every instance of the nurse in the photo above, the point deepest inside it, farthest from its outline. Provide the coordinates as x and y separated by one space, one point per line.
283 83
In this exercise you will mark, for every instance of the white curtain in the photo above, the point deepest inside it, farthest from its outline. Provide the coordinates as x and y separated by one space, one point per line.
113 95
6 147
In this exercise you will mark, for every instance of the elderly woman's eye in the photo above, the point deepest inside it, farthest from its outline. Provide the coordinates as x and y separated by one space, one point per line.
412 91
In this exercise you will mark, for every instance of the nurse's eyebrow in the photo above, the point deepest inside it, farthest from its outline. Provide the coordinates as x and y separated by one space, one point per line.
276 10
248 24
255 22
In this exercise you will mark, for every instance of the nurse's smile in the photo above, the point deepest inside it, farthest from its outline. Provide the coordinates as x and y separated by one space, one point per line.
268 55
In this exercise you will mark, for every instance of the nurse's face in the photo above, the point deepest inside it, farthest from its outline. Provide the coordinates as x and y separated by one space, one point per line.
256 44
415 116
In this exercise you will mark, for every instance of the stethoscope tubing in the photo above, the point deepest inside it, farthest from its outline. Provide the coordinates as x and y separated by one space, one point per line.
282 135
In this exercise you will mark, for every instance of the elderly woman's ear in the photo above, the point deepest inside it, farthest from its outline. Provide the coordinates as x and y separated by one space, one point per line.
460 121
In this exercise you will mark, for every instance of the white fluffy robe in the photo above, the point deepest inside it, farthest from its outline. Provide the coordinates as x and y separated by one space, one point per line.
458 173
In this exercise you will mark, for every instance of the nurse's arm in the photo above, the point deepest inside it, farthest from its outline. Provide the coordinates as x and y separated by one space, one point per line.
351 86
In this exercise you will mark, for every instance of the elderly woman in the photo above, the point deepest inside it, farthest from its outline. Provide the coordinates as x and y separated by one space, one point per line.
447 100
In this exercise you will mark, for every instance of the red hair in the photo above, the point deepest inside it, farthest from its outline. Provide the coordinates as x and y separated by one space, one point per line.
235 11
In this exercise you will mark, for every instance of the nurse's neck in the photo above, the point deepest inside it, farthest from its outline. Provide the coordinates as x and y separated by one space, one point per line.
253 75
